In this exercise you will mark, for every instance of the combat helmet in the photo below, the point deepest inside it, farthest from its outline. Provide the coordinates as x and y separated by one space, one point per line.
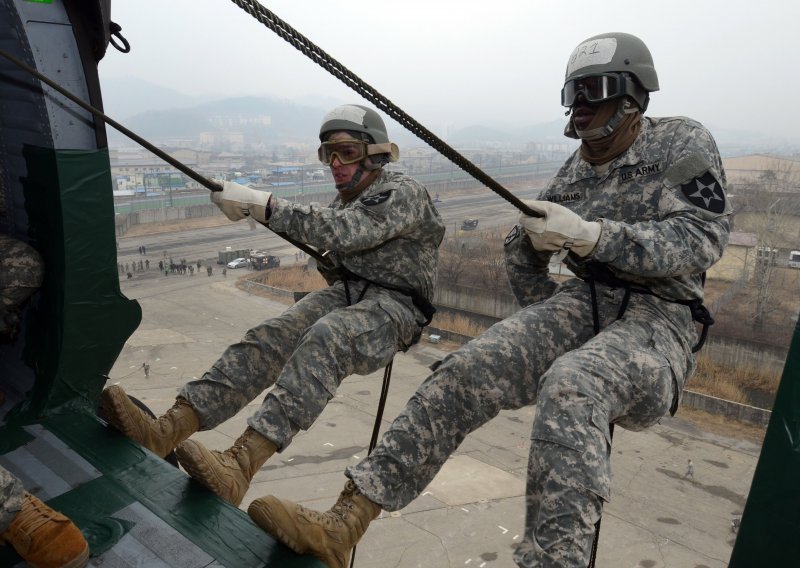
363 124
622 59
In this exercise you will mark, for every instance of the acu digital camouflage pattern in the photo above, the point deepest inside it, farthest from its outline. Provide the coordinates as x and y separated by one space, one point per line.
21 273
390 235
547 353
11 491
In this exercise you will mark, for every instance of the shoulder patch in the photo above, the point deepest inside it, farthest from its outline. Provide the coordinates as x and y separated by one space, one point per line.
705 192
376 199
515 232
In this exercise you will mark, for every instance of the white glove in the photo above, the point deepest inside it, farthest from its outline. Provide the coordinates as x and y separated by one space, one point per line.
559 228
238 202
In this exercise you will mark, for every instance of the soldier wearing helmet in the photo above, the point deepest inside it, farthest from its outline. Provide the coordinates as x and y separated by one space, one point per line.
381 235
640 212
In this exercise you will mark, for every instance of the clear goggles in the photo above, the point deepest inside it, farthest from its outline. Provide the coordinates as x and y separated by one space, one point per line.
596 88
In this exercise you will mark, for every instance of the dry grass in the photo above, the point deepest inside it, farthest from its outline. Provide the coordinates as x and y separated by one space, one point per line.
296 277
458 324
731 383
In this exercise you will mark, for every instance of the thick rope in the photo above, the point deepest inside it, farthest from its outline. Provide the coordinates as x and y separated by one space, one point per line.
324 60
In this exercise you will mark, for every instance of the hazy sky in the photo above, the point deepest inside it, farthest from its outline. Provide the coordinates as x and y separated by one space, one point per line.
728 63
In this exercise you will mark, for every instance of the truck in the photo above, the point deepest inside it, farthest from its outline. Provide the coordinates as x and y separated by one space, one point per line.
229 254
469 225
261 261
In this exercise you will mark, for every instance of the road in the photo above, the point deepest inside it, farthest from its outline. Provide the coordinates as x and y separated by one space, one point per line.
493 213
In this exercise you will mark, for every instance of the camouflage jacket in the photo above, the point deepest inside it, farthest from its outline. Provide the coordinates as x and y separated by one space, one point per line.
389 234
663 209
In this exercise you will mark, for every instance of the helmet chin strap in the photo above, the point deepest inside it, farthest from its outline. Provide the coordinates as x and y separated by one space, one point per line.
624 107
358 182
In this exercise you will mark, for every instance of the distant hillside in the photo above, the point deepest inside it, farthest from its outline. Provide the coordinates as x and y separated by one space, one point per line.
159 113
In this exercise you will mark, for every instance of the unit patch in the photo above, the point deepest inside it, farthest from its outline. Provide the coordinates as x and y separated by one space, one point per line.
705 192
627 174
515 232
376 199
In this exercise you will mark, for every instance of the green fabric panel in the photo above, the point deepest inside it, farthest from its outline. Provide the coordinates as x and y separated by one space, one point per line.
131 473
768 533
82 319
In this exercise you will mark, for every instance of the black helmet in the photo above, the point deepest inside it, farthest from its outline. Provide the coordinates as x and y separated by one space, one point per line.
621 57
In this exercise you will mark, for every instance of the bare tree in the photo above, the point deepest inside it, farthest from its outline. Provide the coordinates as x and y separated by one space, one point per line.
771 210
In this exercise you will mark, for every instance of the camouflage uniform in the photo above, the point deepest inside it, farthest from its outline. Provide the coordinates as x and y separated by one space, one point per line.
21 273
389 236
665 221
11 492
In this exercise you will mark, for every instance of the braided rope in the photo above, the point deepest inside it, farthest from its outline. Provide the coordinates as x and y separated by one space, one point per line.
327 62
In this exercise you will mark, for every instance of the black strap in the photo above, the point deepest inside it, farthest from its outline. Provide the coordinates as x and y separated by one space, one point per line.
420 302
601 273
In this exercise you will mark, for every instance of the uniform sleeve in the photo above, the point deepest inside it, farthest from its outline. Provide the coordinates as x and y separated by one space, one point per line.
689 231
392 212
528 270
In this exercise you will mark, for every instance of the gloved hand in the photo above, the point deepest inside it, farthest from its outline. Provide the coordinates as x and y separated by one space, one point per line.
559 228
238 202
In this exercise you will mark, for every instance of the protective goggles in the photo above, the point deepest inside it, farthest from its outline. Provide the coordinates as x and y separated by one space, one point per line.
348 151
597 88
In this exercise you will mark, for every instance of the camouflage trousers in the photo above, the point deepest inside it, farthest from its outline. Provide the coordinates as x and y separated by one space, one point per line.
10 498
546 354
21 273
305 353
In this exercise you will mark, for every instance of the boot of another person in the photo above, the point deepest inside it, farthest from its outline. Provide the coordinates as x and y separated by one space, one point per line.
330 536
159 435
45 538
228 473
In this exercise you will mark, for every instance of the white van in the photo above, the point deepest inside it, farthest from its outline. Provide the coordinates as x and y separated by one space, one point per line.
794 259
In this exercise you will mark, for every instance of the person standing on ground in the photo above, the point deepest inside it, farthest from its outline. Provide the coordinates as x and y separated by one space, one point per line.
640 208
381 234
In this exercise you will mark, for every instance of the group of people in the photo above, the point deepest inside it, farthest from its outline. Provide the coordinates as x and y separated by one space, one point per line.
641 211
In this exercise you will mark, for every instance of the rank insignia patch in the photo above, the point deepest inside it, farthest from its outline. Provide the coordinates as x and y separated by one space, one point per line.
705 192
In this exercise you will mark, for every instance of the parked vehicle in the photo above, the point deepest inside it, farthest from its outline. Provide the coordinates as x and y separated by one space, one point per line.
794 259
469 225
239 263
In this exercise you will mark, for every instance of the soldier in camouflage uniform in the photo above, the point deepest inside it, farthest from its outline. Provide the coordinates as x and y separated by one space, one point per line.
640 208
383 232
42 536
21 273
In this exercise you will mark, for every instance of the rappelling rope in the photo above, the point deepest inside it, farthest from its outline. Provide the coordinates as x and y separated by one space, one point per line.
324 60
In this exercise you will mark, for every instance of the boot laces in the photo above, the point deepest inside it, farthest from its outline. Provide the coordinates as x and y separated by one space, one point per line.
34 514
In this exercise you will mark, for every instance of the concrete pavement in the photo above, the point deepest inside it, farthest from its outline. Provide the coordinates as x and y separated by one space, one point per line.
472 514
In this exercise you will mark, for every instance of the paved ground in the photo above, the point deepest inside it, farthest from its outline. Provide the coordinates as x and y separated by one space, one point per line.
472 514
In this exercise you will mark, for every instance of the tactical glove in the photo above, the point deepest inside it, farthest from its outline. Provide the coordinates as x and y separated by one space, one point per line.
559 228
238 202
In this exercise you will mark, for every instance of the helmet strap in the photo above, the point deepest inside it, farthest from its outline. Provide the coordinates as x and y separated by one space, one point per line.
350 190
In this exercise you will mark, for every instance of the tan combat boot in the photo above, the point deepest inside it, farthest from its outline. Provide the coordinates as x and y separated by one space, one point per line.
330 536
160 435
45 538
228 473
